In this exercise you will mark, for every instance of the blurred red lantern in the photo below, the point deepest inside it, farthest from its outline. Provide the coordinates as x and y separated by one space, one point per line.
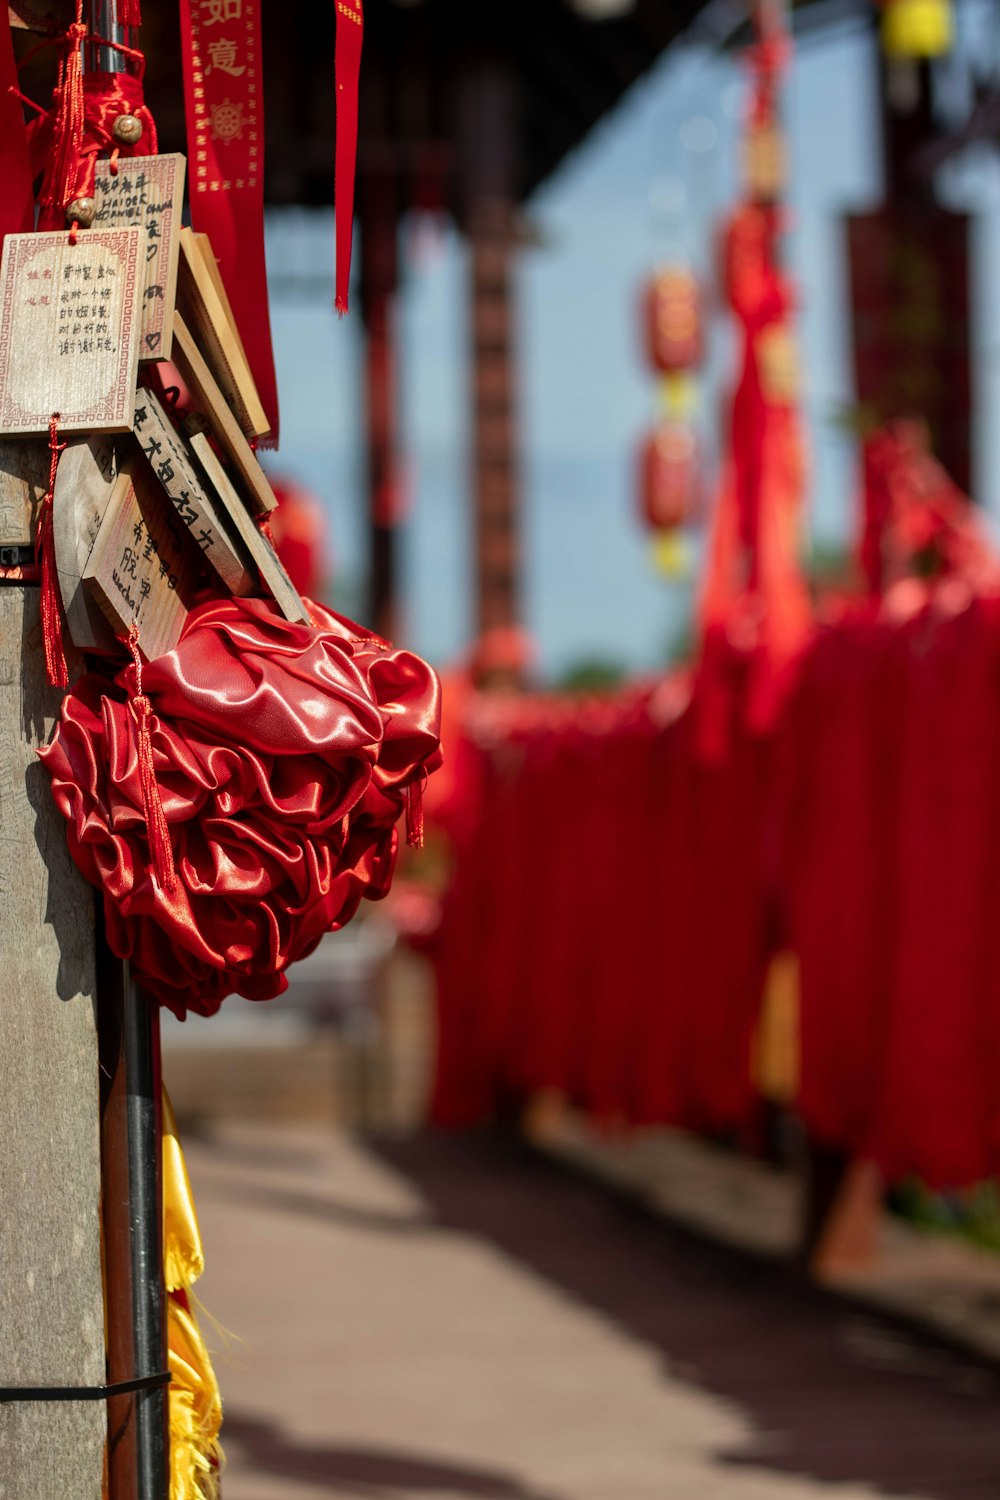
672 317
670 476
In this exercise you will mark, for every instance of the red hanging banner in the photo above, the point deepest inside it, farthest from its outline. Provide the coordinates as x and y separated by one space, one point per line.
220 45
350 34
17 205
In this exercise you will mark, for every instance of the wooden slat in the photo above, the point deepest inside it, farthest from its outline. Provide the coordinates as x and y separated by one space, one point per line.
269 565
85 481
51 1297
193 367
212 265
211 321
171 460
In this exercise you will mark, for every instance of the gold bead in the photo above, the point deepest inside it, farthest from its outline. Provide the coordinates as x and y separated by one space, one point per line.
127 129
82 210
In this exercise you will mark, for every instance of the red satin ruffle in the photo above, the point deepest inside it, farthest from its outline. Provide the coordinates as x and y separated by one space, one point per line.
281 754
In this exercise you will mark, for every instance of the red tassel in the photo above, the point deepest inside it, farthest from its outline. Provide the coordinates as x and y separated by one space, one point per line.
61 183
414 795
157 829
127 14
45 558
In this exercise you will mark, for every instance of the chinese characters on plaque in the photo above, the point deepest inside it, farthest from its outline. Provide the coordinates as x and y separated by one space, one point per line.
147 191
141 569
173 464
69 331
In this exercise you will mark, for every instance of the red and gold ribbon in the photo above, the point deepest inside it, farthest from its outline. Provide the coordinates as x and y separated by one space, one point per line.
350 34
223 95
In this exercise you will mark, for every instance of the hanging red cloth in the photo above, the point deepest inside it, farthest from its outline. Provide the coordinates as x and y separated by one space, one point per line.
755 607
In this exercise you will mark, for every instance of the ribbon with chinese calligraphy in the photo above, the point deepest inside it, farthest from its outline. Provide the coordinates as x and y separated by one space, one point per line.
225 124
350 33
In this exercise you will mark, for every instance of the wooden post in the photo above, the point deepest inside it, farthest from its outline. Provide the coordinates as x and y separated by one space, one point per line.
488 184
378 214
910 287
51 1294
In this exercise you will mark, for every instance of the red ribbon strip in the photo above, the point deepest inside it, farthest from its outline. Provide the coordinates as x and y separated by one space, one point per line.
17 203
45 559
350 34
157 829
224 105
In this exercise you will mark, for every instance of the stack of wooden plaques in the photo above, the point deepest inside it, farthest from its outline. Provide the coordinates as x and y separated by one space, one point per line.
127 337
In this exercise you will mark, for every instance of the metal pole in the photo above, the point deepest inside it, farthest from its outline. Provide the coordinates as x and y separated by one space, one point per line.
133 1023
142 1088
102 21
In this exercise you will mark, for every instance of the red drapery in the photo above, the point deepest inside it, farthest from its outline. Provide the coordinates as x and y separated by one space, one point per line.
616 899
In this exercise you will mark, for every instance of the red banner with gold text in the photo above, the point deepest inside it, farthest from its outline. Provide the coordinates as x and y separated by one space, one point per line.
350 33
223 95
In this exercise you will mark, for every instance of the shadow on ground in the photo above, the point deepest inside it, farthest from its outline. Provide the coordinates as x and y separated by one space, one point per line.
832 1392
375 1473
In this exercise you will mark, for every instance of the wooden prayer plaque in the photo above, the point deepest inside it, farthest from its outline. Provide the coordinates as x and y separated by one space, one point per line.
276 580
148 191
172 462
85 483
211 322
195 372
212 266
24 479
143 568
69 330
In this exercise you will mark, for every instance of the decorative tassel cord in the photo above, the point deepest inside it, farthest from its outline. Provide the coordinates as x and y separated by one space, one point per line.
414 798
45 558
66 140
157 829
63 168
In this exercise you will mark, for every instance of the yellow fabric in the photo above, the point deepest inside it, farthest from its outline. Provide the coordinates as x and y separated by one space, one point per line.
917 28
183 1257
194 1400
775 1063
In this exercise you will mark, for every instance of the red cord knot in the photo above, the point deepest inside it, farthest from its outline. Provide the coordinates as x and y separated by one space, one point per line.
157 828
52 632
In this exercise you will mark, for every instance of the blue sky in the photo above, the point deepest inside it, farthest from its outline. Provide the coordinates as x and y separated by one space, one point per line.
604 221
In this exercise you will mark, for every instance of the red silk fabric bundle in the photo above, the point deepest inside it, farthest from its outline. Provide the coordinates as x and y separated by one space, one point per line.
282 755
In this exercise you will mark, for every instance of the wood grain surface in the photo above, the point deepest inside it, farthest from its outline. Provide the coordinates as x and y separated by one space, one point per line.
148 191
70 320
51 1297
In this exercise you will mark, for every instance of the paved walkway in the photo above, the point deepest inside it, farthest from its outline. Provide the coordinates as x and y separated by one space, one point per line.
451 1319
